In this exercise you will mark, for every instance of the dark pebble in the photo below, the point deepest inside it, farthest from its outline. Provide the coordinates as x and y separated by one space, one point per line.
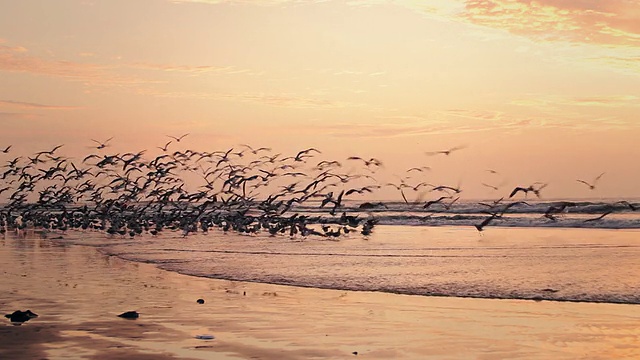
130 315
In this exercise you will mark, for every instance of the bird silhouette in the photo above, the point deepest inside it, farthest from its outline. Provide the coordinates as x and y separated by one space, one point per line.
102 144
445 152
591 185
177 139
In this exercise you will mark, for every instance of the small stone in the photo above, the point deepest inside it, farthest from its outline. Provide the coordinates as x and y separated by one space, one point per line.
200 301
129 315
21 316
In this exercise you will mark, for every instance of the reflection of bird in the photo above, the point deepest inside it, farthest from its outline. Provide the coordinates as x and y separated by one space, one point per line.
591 185
445 152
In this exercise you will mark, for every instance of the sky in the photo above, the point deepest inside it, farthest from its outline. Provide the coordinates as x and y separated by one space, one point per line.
537 91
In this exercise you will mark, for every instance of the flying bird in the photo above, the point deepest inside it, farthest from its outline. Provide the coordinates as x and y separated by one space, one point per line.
165 147
527 189
591 185
485 222
178 138
599 217
445 152
490 186
102 144
420 169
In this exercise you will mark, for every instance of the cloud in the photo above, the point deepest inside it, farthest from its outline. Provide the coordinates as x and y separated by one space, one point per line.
474 114
190 69
17 59
437 124
28 105
611 22
630 64
553 102
279 100
249 2
6 116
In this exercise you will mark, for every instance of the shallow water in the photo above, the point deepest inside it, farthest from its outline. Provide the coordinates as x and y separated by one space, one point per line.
591 265
78 292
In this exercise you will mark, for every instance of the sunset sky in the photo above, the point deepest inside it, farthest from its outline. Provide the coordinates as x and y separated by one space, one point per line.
543 90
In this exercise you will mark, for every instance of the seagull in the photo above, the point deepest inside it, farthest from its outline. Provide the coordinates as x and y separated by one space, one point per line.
103 144
305 153
6 150
420 169
445 152
599 217
485 222
591 185
527 189
166 146
623 202
178 138
490 186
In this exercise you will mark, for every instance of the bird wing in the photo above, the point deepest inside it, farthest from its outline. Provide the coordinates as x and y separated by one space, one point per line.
515 191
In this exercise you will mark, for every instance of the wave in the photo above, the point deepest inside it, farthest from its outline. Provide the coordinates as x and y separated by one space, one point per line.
580 214
527 263
468 290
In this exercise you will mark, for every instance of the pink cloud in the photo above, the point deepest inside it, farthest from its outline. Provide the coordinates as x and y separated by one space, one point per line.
611 22
17 59
29 105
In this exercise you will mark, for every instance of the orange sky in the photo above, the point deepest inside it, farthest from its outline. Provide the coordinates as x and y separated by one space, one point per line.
539 91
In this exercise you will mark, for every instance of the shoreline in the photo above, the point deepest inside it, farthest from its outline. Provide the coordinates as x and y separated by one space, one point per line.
77 293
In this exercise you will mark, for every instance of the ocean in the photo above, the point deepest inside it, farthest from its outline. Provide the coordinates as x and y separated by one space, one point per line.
517 261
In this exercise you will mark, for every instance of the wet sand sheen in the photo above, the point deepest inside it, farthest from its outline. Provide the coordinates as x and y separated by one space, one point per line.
78 292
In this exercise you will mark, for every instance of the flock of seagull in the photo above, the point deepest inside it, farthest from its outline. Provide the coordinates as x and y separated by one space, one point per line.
242 189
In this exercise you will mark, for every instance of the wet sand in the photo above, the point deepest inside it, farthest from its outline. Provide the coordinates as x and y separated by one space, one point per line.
79 292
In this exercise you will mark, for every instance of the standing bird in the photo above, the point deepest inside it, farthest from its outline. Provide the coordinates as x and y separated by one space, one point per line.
591 185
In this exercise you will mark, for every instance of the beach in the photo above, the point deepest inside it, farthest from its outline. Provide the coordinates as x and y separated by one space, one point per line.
78 293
